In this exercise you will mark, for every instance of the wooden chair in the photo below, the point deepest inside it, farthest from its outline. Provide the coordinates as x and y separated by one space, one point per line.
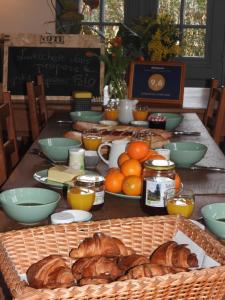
214 118
9 155
37 105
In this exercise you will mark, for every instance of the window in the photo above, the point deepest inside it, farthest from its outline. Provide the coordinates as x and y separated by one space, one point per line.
106 17
190 16
103 19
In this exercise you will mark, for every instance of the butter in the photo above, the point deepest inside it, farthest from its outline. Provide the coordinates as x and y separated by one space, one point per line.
82 95
63 174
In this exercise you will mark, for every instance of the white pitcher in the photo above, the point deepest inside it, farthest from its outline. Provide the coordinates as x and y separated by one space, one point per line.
116 148
125 110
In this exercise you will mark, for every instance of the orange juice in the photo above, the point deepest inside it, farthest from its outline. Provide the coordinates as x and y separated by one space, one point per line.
80 198
91 142
180 206
111 114
140 115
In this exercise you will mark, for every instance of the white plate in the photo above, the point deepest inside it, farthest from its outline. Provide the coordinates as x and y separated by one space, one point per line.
42 176
120 195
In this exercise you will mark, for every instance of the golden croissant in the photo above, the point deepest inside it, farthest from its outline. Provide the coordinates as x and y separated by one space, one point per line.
174 255
96 266
150 270
101 244
50 272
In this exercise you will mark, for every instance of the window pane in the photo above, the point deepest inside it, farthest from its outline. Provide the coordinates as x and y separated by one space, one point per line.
110 32
171 7
194 42
195 12
114 11
90 15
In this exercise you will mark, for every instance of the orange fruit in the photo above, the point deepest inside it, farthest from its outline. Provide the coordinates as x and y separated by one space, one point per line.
132 185
113 181
122 158
148 156
111 170
177 182
157 156
137 149
131 167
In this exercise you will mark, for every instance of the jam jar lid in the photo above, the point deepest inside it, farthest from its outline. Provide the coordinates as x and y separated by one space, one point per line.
158 164
90 178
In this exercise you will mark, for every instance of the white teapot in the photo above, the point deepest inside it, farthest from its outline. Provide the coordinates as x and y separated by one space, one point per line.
126 107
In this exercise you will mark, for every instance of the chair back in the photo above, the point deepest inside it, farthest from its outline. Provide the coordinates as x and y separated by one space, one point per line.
37 106
214 118
9 155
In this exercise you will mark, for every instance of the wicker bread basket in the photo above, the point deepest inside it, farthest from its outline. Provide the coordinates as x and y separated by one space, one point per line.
19 249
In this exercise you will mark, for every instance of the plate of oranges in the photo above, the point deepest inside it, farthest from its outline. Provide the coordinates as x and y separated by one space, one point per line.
126 181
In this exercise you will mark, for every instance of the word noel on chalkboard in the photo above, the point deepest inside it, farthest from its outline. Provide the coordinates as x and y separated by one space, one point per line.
62 59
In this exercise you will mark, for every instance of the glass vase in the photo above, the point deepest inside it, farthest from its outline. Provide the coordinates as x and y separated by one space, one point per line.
118 89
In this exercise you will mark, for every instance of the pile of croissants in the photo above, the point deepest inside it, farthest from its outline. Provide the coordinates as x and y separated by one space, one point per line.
103 259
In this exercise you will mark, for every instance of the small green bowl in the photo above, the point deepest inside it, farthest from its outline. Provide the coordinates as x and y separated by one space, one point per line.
186 154
172 119
211 213
57 149
86 115
29 205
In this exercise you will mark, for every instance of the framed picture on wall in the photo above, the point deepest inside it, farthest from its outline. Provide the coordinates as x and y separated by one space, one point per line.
157 83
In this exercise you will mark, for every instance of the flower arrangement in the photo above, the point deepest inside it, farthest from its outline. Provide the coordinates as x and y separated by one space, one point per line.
159 36
119 52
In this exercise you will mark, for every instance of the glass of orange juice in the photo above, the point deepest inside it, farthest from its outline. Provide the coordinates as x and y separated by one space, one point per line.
80 197
180 202
140 113
111 114
91 140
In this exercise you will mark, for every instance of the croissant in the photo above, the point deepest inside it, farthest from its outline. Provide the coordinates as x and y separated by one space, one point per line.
50 272
101 244
174 255
149 270
95 280
96 266
130 261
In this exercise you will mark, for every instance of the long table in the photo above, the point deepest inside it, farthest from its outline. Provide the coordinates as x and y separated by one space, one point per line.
208 186
204 183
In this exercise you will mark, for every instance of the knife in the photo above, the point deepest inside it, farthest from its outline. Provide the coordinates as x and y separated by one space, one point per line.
196 133
214 169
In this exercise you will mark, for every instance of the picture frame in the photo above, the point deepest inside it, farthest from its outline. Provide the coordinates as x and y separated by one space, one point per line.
157 83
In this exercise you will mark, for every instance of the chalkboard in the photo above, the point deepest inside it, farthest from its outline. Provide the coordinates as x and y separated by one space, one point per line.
64 69
158 83
64 62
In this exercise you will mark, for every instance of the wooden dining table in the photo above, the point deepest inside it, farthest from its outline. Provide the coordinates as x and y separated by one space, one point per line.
208 186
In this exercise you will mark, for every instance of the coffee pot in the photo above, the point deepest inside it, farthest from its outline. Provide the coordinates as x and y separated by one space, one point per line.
126 107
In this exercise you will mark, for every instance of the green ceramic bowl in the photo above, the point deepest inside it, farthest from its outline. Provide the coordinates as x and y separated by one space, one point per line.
29 205
211 214
172 119
86 115
57 149
186 154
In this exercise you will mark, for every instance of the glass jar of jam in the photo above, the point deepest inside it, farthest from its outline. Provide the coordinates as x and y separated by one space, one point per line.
157 122
158 176
97 183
